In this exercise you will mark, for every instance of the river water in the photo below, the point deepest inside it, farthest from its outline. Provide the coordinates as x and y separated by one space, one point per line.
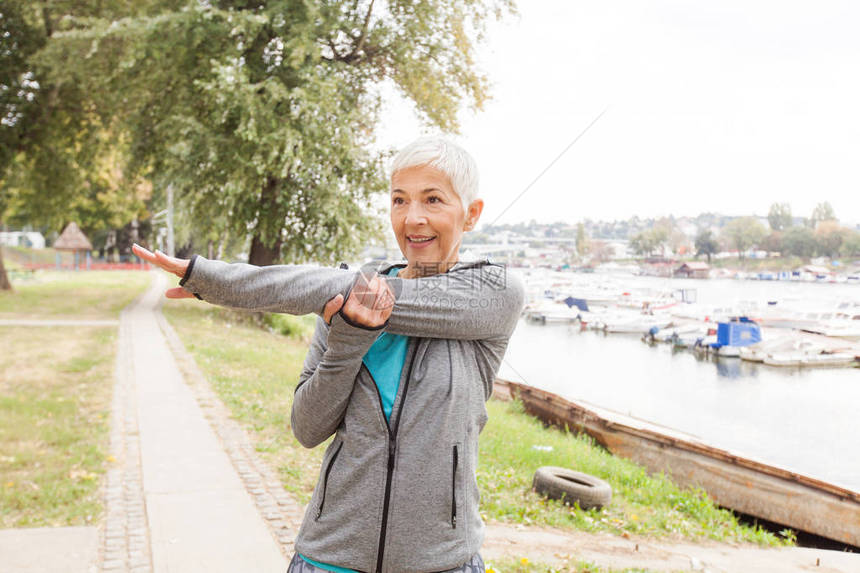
805 420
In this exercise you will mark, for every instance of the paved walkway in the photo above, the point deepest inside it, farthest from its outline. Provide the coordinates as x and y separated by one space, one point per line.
175 502
553 546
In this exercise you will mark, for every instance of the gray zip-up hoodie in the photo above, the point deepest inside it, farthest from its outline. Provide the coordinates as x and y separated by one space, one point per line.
395 496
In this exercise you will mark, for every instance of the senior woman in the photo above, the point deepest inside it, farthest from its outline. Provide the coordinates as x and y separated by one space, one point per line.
400 366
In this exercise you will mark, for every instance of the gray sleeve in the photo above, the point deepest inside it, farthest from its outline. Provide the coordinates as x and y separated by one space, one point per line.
473 303
291 289
327 379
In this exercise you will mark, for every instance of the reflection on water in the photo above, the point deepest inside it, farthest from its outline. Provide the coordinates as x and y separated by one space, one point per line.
805 420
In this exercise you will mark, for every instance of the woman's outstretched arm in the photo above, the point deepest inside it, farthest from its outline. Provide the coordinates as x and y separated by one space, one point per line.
473 302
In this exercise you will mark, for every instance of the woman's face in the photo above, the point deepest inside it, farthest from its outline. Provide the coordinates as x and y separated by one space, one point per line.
428 219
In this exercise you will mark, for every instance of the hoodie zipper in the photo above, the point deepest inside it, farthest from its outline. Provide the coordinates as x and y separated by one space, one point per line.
454 491
392 450
325 482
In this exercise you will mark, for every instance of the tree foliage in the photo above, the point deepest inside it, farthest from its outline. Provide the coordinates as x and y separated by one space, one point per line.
822 212
799 241
779 216
582 242
706 244
60 160
649 241
743 233
262 114
851 245
829 237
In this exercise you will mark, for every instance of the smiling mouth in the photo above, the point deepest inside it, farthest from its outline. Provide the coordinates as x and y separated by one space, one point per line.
419 240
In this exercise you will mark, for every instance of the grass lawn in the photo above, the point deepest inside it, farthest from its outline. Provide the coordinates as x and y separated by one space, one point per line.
572 565
642 504
72 294
255 373
55 392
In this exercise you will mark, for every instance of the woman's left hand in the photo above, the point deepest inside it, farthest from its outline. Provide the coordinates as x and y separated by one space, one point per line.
369 304
170 264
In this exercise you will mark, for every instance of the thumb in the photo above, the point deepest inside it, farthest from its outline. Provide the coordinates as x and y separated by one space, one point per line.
332 307
178 292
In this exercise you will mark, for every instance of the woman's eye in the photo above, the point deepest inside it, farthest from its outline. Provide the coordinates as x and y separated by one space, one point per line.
434 200
397 200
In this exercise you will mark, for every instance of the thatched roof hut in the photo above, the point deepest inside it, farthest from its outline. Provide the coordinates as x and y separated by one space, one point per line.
73 239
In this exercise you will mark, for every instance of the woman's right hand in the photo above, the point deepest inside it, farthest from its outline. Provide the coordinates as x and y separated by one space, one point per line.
170 264
369 304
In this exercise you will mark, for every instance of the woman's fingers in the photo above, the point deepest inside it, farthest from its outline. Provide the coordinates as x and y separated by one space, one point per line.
385 298
170 264
332 307
178 292
370 302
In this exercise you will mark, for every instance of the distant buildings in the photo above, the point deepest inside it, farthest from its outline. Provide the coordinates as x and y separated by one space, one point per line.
693 270
28 239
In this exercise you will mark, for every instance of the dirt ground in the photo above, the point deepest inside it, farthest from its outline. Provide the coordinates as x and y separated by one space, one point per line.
555 547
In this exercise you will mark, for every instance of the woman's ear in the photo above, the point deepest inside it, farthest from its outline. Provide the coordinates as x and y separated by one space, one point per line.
473 213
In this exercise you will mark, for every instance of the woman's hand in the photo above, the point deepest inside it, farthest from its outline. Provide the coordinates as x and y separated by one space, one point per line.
369 304
170 264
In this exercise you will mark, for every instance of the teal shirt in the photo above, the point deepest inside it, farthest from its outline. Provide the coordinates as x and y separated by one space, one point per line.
385 361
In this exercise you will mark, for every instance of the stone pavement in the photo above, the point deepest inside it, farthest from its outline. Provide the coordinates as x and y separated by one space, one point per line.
49 550
552 546
187 492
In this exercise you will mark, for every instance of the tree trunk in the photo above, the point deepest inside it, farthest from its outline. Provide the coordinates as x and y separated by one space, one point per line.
4 280
263 255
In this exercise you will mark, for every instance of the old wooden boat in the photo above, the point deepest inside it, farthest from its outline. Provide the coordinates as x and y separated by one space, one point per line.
744 485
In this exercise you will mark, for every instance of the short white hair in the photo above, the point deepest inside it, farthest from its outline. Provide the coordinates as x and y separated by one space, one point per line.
447 157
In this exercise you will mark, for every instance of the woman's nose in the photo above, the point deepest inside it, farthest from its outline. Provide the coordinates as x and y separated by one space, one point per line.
415 215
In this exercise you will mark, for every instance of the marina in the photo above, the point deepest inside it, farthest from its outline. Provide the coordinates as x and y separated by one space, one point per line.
798 418
786 331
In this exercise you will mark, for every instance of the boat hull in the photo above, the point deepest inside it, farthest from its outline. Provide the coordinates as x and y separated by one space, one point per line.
739 483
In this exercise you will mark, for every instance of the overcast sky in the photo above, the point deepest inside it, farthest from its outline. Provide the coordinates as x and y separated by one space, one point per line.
723 106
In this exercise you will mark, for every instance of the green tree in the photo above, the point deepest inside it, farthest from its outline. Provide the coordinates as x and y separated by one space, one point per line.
582 243
647 242
779 216
18 90
59 159
706 244
5 284
262 114
743 233
851 244
772 243
642 243
822 212
829 237
799 241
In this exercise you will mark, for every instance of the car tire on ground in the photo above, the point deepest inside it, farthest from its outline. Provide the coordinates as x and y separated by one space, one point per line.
571 486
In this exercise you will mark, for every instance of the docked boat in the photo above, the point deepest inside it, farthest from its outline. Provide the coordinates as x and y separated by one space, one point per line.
730 479
800 358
